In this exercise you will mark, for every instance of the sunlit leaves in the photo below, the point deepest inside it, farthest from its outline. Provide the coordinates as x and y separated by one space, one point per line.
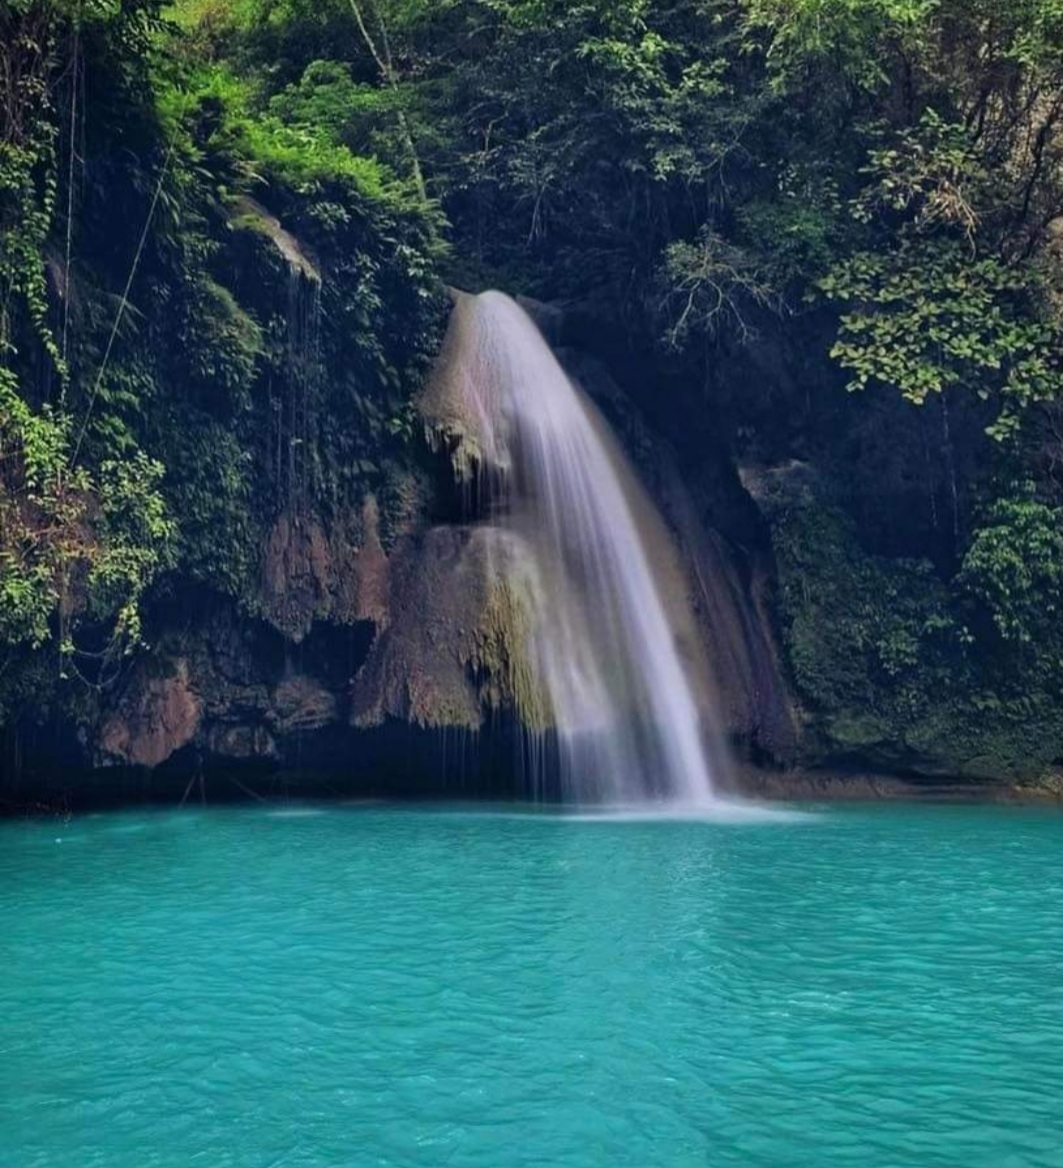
846 37
59 522
1014 567
931 175
929 317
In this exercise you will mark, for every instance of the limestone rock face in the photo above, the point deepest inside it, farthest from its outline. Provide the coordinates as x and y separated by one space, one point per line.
156 718
353 636
224 686
255 694
310 572
418 667
301 704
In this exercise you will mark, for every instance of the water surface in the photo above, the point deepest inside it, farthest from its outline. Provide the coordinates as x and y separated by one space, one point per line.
357 986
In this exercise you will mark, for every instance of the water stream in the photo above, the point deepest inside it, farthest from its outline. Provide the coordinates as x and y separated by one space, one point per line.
600 634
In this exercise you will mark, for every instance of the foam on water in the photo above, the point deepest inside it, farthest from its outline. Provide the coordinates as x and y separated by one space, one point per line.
716 811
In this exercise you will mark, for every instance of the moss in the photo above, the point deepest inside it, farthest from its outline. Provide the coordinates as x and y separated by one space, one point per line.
853 730
453 645
883 658
249 215
500 658
404 495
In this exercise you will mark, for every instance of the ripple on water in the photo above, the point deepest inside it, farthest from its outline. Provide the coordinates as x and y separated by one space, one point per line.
406 986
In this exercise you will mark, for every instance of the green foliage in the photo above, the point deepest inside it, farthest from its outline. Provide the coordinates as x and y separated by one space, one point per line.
221 345
27 174
28 567
344 111
215 308
299 156
170 381
932 173
59 525
136 533
211 479
1014 569
844 37
929 318
865 632
889 659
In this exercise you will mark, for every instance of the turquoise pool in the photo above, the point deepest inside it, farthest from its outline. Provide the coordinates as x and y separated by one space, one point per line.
356 986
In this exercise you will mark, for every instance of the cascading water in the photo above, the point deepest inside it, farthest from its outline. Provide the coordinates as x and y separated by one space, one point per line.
600 640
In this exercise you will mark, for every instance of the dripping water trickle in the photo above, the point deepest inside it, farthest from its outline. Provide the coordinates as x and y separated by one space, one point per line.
303 368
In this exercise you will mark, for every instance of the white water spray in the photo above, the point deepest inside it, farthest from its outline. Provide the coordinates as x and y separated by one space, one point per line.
600 638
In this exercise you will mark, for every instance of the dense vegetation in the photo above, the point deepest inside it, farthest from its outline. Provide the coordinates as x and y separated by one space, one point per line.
830 227
177 368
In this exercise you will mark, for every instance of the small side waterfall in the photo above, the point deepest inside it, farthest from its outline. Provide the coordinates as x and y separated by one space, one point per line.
568 546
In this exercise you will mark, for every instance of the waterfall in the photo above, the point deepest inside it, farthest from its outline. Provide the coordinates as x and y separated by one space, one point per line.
600 640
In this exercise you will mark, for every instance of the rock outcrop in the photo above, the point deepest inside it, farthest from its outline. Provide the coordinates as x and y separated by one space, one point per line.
158 715
354 650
